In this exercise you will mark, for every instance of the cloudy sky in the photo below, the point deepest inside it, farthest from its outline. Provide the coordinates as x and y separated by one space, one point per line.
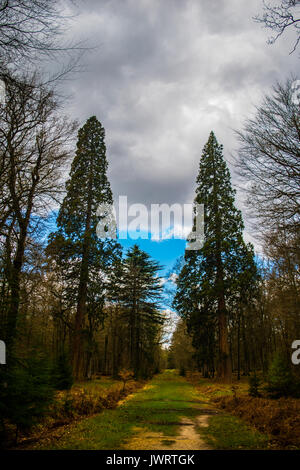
163 74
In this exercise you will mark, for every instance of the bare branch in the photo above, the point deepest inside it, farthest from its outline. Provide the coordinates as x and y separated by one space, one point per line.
280 17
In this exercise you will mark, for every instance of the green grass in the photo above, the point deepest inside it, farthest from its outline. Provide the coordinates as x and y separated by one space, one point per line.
225 431
163 405
159 407
230 433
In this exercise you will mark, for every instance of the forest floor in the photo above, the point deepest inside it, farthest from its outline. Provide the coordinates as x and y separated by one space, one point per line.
279 419
169 413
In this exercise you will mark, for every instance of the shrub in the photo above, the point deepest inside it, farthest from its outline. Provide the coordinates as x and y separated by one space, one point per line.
278 418
62 373
254 384
125 375
75 403
281 382
81 402
28 392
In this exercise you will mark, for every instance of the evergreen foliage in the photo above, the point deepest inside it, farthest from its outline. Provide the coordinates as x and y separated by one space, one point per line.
138 290
84 258
26 391
62 373
215 277
254 384
281 381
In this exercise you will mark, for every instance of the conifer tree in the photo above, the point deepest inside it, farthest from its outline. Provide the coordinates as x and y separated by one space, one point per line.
254 384
75 246
139 291
26 392
213 275
281 381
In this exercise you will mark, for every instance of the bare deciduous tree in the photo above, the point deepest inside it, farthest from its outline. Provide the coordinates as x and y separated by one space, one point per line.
29 28
268 160
280 17
34 147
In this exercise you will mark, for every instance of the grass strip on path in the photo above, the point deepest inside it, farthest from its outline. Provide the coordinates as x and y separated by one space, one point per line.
159 408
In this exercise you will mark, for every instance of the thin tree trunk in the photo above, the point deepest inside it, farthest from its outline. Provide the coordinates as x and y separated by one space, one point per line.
246 352
225 372
79 323
77 355
239 349
137 347
105 355
23 222
225 369
114 353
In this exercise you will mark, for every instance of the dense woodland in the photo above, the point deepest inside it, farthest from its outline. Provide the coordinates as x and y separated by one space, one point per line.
260 294
73 305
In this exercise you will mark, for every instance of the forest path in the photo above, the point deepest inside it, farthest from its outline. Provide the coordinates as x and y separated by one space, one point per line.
175 415
166 414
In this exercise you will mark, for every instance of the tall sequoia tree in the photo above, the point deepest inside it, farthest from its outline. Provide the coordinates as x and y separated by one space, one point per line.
211 276
76 247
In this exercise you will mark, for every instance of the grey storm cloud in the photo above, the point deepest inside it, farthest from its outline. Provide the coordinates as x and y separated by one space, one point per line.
162 75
